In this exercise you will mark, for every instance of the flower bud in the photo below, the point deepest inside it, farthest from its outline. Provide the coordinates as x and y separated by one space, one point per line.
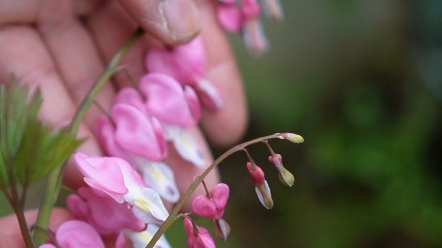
222 229
256 173
293 137
285 176
264 195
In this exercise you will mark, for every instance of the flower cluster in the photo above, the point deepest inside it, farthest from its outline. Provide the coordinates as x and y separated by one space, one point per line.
244 19
126 188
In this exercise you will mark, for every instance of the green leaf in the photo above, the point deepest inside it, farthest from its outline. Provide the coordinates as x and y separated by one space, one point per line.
29 149
4 181
42 150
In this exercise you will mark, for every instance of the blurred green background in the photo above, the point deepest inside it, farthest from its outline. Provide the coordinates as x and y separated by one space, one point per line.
361 81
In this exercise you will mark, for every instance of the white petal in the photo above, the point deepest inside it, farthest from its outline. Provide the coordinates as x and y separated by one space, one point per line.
147 206
188 149
159 176
170 131
141 239
258 193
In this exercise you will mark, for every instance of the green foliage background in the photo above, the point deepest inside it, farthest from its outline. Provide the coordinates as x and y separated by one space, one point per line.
361 81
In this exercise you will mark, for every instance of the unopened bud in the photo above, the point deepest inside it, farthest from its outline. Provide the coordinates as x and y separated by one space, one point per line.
285 176
293 137
264 195
222 229
256 173
273 9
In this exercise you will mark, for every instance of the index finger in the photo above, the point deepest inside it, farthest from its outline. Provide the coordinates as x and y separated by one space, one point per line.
227 125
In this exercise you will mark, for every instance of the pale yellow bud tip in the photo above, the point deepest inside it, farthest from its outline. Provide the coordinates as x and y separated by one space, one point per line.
293 137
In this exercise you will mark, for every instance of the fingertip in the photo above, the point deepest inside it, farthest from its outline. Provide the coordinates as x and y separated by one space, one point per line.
10 235
226 126
171 21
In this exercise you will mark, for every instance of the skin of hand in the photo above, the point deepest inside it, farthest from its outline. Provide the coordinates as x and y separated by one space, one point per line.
61 47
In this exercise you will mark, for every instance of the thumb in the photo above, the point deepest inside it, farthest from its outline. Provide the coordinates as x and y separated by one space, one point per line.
171 21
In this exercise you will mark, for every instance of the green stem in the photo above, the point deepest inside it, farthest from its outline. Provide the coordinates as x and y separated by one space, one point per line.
17 205
173 215
54 180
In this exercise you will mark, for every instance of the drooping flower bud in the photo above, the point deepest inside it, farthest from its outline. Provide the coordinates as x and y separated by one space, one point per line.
186 64
285 176
262 188
197 237
295 138
222 229
273 9
212 205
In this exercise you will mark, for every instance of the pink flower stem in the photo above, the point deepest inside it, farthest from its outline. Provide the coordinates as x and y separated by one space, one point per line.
54 179
207 190
17 203
268 146
250 158
174 214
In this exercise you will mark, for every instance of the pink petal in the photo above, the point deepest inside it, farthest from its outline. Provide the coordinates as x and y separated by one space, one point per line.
185 63
250 9
254 37
193 102
131 97
136 134
230 17
210 96
256 173
220 195
104 214
111 182
202 239
78 234
203 206
166 100
121 241
47 246
105 133
214 206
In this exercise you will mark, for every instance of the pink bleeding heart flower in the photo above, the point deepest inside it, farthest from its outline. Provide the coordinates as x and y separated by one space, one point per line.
262 188
141 239
155 174
168 102
110 183
186 64
229 17
103 173
197 237
253 33
135 133
102 212
177 110
76 234
212 205
273 9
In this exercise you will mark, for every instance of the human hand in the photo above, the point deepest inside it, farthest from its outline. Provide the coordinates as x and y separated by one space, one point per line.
62 46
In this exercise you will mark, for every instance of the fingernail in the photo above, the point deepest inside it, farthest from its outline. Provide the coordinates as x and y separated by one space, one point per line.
182 18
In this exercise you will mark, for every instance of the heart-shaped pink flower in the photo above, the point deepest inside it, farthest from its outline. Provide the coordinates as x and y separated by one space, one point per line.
213 205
